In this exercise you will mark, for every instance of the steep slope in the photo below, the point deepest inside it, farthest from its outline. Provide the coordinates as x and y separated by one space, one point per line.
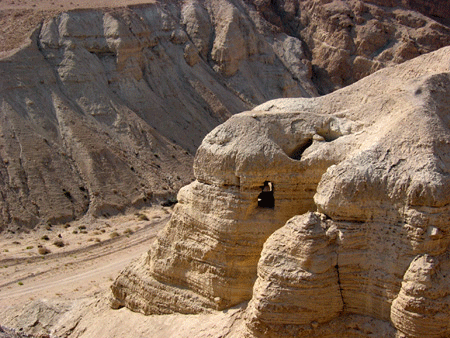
368 170
349 40
102 109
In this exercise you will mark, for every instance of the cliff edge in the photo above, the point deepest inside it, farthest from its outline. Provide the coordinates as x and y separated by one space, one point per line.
315 210
137 87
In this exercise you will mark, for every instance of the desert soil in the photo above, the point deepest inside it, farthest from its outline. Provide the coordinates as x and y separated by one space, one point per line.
18 18
94 252
80 274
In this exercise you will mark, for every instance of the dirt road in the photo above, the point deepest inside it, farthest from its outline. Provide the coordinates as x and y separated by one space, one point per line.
73 282
76 273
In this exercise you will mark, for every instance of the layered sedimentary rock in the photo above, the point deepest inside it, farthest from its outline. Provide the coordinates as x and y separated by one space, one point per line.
102 109
387 208
368 170
349 40
215 236
135 88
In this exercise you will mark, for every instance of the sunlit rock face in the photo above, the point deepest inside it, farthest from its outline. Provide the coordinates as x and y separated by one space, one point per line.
366 169
381 234
133 88
103 109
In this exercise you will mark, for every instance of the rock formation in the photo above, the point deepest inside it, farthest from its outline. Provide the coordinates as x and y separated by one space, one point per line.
367 171
102 109
349 40
134 88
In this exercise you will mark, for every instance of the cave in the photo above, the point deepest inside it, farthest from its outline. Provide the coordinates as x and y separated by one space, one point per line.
265 198
297 153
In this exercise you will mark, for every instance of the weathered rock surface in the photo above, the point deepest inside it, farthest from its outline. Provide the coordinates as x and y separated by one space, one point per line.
368 170
134 88
102 109
349 40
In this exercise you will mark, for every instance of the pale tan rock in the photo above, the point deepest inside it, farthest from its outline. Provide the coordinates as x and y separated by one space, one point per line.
103 108
214 239
392 250
371 160
298 273
340 33
421 308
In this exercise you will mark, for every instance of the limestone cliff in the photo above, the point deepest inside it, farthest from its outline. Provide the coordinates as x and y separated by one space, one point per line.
100 108
349 40
367 170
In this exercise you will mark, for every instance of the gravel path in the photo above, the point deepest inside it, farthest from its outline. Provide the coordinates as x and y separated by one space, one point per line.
74 274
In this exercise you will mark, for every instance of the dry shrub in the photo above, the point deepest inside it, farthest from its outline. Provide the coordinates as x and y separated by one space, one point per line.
43 251
142 217
59 243
128 231
114 234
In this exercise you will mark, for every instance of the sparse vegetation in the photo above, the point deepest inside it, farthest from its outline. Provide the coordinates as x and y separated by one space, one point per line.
114 234
67 225
142 217
128 231
59 243
29 247
45 238
20 283
82 227
43 250
169 202
75 232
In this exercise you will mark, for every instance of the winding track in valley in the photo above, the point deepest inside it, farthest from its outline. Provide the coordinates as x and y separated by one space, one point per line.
77 273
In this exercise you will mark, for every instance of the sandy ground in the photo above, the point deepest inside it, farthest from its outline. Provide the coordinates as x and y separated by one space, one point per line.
67 4
18 18
85 256
65 292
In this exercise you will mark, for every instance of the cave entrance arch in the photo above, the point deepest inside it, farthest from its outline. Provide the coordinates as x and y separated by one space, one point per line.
265 198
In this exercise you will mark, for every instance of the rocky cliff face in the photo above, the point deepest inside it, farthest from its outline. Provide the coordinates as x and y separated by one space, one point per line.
365 169
349 40
136 88
101 111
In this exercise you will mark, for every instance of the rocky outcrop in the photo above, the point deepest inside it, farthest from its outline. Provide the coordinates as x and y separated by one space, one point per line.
365 168
439 9
135 88
349 40
387 213
102 110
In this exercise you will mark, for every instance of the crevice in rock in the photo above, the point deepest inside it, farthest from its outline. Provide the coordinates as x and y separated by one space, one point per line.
297 153
339 283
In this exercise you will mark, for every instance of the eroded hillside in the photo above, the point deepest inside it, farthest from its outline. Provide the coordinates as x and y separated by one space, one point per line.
103 109
355 239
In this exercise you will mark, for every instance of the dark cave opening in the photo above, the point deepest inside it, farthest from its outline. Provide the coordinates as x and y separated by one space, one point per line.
297 153
266 198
